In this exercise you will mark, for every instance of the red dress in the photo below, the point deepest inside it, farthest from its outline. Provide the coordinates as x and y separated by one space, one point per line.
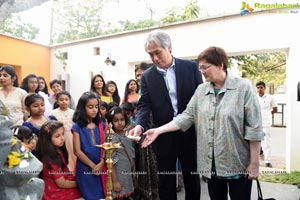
52 191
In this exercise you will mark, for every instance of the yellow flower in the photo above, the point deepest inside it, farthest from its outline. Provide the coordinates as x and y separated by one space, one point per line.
13 159
13 142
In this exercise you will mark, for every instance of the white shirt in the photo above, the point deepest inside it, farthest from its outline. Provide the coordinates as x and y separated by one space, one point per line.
267 103
170 79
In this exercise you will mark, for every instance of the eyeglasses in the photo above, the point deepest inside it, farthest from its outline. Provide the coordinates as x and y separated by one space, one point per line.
204 67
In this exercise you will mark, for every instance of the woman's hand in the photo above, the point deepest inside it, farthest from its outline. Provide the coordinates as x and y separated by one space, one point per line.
151 135
252 171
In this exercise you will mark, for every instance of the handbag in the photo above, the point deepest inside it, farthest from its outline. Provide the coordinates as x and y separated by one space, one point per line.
259 193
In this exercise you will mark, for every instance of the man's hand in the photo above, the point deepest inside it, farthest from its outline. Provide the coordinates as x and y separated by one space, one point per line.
136 131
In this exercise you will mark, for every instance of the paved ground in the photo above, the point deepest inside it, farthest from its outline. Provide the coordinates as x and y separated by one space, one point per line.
269 190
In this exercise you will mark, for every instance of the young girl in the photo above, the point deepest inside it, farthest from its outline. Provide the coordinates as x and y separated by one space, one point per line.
123 158
88 131
43 87
64 114
35 105
112 89
31 85
59 181
26 136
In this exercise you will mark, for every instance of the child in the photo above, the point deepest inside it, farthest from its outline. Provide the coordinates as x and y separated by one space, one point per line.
31 85
64 114
34 104
88 131
59 181
103 111
123 158
26 136
130 112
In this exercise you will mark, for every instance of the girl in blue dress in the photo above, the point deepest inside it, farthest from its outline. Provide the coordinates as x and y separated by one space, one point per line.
88 131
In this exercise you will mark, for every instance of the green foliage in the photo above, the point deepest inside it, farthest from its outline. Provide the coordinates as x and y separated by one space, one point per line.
171 16
127 25
14 26
76 19
292 178
268 67
191 11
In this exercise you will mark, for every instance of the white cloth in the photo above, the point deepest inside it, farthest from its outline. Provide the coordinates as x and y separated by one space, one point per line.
267 103
266 144
14 102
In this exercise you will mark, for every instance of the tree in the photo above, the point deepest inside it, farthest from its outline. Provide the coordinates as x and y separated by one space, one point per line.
268 67
191 11
171 16
13 26
76 19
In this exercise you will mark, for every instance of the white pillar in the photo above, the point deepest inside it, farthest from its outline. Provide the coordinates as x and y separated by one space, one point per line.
293 110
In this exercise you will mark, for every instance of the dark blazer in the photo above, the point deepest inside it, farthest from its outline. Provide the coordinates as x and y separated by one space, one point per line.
155 97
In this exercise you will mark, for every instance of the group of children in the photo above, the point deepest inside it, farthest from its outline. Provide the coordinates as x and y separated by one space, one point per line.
66 143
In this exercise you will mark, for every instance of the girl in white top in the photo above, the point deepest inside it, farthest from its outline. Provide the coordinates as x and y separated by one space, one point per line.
64 114
11 96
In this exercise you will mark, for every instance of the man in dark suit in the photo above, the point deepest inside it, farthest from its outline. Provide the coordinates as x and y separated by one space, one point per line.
166 89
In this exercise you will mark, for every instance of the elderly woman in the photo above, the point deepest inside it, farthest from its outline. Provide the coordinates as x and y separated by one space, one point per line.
226 114
11 96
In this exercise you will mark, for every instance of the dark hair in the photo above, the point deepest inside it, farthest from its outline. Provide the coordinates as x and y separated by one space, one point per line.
116 110
24 84
11 71
103 88
126 93
31 98
104 104
80 116
45 90
127 106
214 55
55 81
63 92
261 83
143 66
46 152
111 105
115 95
22 132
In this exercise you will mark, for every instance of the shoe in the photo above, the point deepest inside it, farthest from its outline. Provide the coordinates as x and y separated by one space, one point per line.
269 165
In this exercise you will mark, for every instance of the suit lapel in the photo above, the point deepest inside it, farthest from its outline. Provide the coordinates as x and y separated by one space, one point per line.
179 75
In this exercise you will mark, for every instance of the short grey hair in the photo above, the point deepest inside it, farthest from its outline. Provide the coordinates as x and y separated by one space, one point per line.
159 38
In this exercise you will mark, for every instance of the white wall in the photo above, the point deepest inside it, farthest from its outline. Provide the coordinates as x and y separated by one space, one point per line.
252 33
